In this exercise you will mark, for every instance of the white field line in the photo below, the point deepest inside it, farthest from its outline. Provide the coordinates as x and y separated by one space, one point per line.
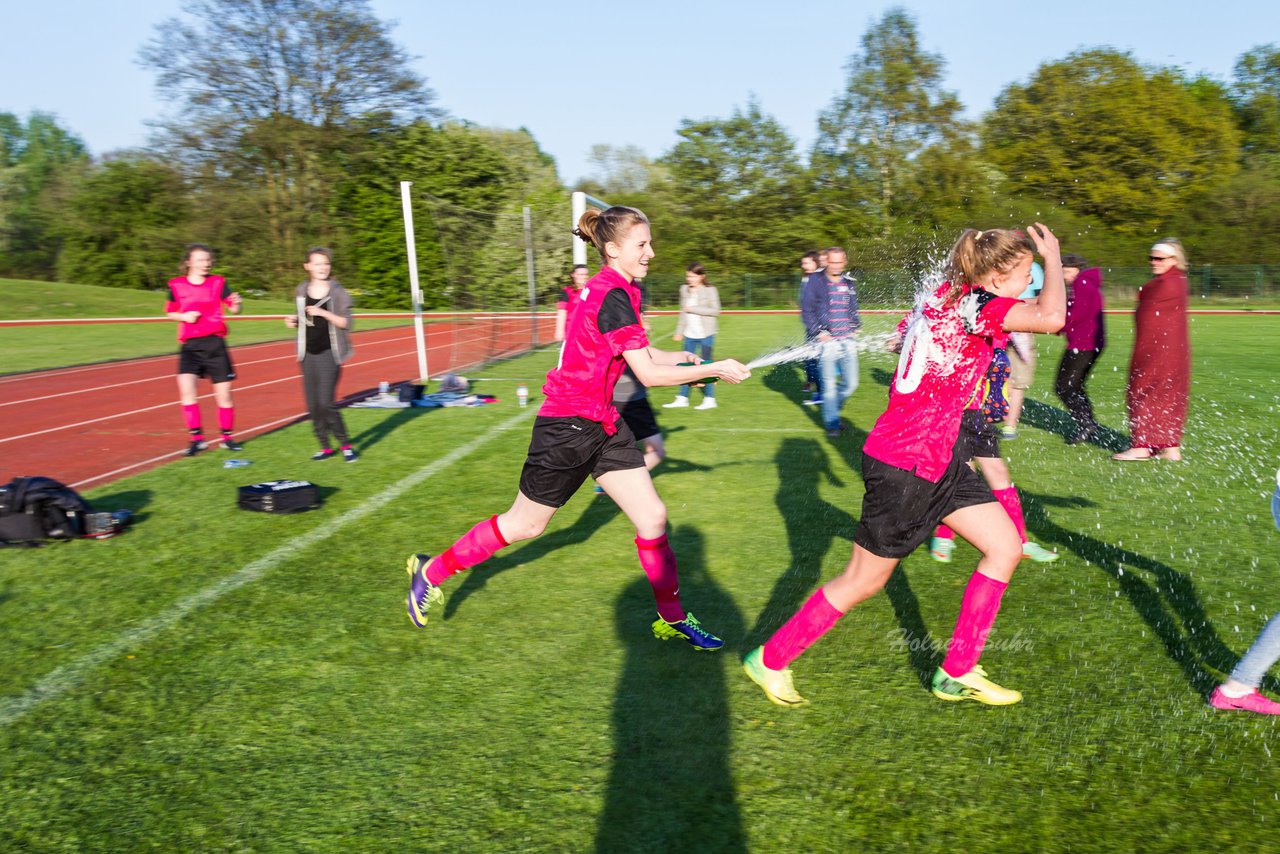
68 676
168 358
239 365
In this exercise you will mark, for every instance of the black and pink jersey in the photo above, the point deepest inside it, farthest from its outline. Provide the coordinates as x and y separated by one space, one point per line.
567 297
603 323
209 297
945 352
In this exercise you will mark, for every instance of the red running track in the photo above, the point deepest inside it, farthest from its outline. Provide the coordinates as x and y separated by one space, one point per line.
89 425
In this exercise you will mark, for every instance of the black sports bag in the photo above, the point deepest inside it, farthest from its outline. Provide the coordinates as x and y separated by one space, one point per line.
280 496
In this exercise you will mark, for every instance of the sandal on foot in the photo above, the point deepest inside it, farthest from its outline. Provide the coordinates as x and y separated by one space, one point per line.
1133 454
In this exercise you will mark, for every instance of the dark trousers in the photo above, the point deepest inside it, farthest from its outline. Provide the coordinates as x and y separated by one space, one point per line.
319 384
1073 371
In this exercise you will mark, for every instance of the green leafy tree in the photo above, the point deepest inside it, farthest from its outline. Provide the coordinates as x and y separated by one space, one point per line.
1256 91
892 109
736 199
1112 139
40 163
123 226
274 97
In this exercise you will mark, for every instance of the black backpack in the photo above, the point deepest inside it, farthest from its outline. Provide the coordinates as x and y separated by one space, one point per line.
34 509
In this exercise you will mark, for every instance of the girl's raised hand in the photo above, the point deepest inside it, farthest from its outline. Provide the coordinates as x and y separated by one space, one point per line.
1045 240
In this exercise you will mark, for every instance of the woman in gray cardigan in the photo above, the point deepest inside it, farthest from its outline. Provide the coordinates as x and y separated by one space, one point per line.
323 320
699 310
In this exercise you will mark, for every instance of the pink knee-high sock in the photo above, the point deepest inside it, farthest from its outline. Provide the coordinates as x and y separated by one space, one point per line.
814 619
226 418
473 547
945 533
191 415
659 563
978 612
1012 505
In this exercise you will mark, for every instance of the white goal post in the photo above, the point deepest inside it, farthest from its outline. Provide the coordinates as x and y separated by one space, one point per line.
579 202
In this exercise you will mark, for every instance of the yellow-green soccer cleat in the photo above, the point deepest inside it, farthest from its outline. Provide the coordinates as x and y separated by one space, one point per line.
422 593
1038 553
974 685
776 684
688 629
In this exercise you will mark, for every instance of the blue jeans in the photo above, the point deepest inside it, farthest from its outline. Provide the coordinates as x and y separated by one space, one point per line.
1265 650
700 347
842 353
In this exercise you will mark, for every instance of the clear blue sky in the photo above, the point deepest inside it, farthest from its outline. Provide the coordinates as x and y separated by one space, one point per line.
626 75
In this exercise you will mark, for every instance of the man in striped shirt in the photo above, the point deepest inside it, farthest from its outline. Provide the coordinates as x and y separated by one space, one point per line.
829 309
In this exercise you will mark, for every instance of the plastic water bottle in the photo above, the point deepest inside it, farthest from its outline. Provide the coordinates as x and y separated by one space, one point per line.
384 387
522 394
236 464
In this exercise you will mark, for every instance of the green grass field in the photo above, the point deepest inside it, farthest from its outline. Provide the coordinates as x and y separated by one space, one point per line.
216 680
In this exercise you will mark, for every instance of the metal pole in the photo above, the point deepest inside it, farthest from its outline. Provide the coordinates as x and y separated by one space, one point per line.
528 262
578 204
414 289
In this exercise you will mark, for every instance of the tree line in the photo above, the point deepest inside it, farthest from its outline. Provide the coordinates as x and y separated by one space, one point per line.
297 129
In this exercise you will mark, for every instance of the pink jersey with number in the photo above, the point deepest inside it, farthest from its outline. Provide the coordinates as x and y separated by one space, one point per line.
945 351
209 297
603 323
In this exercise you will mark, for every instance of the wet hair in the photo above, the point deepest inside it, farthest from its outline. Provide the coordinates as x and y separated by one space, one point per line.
1179 253
193 248
320 250
978 253
600 228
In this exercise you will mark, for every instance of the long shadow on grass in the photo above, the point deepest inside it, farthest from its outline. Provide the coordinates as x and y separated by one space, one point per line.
600 511
1164 598
133 500
812 526
787 380
670 785
1054 420
384 428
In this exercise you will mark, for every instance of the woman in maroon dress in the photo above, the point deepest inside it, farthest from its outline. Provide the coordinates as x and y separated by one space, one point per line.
1160 373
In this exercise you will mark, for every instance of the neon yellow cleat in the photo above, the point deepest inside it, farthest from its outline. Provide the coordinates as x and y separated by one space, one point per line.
974 685
1038 553
777 684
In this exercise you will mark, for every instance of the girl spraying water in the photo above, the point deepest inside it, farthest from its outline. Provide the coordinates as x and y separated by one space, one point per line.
578 432
914 467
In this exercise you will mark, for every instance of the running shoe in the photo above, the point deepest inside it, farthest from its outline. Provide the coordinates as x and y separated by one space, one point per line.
422 593
326 454
707 403
1008 432
196 447
1038 553
974 685
679 403
1253 702
349 455
229 444
776 684
940 549
691 630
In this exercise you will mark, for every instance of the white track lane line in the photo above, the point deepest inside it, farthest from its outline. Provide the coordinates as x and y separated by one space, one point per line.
239 389
70 675
239 365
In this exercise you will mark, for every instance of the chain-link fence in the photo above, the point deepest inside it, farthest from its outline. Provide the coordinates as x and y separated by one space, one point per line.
1227 284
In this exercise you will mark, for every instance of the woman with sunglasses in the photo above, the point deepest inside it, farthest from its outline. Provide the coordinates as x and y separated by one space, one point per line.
1160 371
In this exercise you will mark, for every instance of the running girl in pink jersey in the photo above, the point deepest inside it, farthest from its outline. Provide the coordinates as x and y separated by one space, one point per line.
914 462
197 301
578 433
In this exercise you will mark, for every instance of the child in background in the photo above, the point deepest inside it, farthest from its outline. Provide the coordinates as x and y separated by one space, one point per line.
197 300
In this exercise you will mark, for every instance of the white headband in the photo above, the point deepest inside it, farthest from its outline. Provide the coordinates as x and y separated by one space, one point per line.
1165 248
